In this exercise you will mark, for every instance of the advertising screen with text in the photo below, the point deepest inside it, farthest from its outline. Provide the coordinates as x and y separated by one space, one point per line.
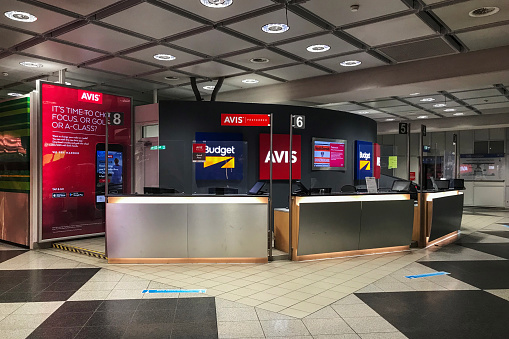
328 154
74 158
280 157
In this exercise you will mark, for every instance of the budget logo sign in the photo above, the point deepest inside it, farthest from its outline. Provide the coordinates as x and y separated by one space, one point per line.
223 161
363 159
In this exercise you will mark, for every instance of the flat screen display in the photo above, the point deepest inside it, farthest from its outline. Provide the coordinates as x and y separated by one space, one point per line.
329 154
115 180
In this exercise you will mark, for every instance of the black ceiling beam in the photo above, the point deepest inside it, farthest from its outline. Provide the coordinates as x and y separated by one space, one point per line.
52 8
502 89
417 106
459 101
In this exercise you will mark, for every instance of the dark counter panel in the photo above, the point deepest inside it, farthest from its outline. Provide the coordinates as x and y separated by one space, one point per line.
446 217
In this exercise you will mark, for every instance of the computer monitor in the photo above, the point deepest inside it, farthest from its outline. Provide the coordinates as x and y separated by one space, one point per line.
457 184
257 188
442 185
301 190
401 186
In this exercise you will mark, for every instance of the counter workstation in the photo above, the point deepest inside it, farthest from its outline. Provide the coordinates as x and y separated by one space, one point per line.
330 226
186 229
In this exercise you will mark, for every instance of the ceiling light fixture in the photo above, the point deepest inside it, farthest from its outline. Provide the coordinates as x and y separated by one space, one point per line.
363 112
439 105
68 83
483 11
350 63
275 28
250 81
459 113
209 88
318 48
449 110
390 119
12 94
427 99
20 16
216 3
422 117
259 60
164 57
171 78
31 64
414 94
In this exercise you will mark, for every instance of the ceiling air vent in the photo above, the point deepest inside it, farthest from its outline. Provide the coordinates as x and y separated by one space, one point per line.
483 11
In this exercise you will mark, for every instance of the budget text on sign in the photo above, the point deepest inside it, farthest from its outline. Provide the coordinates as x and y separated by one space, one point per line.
245 120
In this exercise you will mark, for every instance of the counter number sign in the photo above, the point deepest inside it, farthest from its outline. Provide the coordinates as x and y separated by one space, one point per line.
403 128
116 118
299 121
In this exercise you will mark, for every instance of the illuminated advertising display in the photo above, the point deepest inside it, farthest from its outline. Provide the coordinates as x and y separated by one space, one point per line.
328 154
73 158
280 157
222 161
367 160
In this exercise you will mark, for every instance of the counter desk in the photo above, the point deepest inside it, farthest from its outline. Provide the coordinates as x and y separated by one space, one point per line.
344 225
186 229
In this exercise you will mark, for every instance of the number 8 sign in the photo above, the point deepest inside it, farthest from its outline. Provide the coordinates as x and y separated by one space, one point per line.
116 118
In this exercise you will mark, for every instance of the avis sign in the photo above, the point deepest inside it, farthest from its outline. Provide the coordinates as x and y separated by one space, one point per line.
245 120
93 97
280 157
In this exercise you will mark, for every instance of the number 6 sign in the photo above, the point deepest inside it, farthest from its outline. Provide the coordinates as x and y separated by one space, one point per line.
299 121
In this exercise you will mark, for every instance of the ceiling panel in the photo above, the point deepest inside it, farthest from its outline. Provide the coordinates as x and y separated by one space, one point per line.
275 59
488 92
11 65
397 29
296 72
73 82
384 103
11 38
366 59
253 27
216 14
337 46
211 69
80 7
504 105
101 38
487 100
345 107
456 15
486 38
401 109
364 111
160 76
136 84
59 51
147 55
338 13
90 75
122 66
46 20
152 21
177 93
205 92
262 81
438 98
207 43
430 2
423 49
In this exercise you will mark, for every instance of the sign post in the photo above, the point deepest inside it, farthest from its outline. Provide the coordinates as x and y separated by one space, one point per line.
299 122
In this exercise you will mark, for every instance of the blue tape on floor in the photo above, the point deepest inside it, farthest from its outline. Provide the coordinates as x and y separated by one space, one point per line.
174 291
506 226
426 275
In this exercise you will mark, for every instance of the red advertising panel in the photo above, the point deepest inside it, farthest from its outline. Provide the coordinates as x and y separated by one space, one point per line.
280 158
245 120
377 168
73 158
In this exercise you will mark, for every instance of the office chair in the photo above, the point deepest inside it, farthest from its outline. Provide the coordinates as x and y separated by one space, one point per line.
348 189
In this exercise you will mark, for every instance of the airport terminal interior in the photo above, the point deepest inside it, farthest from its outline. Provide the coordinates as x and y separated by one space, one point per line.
254 169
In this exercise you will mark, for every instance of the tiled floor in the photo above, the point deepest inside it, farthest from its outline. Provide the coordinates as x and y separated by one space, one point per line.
361 297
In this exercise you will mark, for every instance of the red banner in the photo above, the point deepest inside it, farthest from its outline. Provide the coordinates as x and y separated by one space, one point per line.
280 158
377 169
245 120
73 158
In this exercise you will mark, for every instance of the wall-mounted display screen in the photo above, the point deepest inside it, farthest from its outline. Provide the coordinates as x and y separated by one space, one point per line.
329 154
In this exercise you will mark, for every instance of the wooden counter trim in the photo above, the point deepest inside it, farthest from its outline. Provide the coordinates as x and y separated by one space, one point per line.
188 260
334 255
445 240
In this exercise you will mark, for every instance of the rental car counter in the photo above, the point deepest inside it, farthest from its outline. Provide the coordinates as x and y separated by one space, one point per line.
186 229
329 226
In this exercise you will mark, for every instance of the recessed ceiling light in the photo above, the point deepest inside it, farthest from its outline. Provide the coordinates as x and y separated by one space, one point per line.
415 93
68 83
459 113
427 99
209 88
483 11
449 110
439 105
250 81
422 117
12 94
275 28
171 78
216 3
20 16
390 119
164 57
259 60
350 63
363 112
318 48
30 64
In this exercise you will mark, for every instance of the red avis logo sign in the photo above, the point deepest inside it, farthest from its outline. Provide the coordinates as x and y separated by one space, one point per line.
280 156
245 120
93 97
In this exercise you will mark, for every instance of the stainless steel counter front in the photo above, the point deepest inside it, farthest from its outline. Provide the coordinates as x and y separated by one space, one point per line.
172 229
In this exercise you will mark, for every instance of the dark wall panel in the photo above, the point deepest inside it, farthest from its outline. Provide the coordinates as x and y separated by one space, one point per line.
179 120
447 215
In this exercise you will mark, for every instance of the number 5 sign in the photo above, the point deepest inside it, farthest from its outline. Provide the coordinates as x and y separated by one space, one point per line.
299 121
116 118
